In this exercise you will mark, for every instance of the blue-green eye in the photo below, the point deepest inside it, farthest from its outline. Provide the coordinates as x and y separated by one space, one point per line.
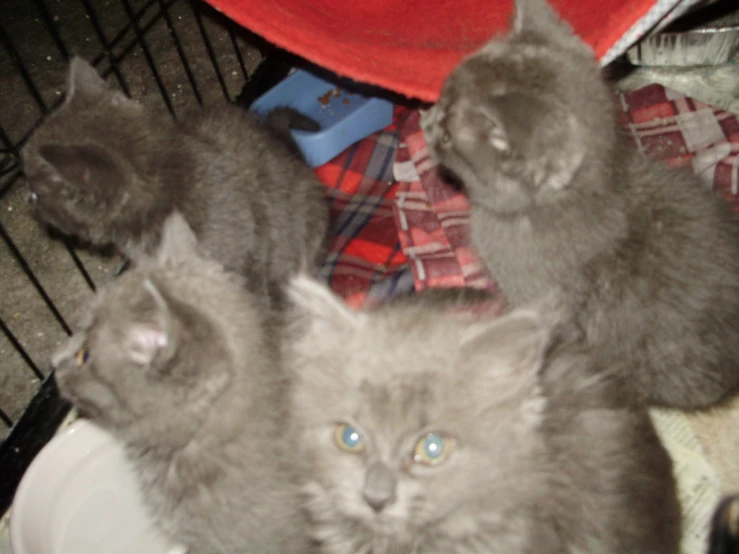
348 438
432 449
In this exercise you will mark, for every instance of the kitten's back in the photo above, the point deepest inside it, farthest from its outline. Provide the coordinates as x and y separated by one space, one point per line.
268 212
666 296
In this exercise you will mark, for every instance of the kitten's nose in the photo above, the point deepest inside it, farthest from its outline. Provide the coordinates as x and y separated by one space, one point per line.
379 486
378 503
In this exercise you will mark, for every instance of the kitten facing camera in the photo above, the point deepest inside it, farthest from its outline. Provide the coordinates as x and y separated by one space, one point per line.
107 170
424 428
177 363
647 257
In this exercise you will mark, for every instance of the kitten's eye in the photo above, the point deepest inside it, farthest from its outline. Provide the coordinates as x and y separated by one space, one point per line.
32 198
348 438
446 137
82 355
432 449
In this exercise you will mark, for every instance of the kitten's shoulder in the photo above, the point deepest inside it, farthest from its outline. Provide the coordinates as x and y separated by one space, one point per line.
574 378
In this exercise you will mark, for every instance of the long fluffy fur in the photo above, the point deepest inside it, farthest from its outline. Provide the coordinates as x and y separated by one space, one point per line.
550 455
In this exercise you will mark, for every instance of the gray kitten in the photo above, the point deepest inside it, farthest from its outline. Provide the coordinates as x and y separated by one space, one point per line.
106 170
175 361
428 430
559 198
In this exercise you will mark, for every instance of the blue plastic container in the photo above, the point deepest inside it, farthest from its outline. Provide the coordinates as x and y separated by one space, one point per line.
345 116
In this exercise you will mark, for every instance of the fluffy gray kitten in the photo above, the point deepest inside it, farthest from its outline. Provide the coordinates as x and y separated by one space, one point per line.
559 198
424 429
175 361
105 169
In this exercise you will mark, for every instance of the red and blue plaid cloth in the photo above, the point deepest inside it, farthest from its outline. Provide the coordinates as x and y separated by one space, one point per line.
399 227
365 264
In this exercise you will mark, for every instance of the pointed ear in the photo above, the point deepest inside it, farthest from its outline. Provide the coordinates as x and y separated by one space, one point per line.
540 18
319 328
512 348
85 165
150 336
83 80
178 240
319 311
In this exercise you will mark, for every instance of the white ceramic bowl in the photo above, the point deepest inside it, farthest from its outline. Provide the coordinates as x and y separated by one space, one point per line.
80 496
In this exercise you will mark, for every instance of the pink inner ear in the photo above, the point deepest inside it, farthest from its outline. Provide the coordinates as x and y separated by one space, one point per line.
145 341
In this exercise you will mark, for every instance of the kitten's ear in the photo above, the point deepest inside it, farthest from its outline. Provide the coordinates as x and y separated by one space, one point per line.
150 333
178 242
512 348
84 80
85 165
318 310
540 18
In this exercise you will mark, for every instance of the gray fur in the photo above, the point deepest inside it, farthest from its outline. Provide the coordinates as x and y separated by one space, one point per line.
106 170
648 256
548 456
181 370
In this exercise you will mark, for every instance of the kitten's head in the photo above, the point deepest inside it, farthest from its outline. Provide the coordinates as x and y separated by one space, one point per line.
76 165
515 121
409 419
156 349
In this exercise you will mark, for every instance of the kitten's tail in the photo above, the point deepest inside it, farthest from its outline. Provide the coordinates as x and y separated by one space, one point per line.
724 537
282 119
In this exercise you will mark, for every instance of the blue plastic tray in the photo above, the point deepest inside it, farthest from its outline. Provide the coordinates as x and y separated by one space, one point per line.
345 116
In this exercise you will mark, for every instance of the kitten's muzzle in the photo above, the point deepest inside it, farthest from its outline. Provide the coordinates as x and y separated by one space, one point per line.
380 486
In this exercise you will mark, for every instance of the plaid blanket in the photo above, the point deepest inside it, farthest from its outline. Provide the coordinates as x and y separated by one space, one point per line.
365 264
400 227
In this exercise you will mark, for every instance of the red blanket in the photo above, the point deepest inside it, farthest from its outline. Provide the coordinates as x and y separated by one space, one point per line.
410 46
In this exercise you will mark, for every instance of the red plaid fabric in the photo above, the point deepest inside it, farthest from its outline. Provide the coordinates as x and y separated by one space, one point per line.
366 264
432 215
668 126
